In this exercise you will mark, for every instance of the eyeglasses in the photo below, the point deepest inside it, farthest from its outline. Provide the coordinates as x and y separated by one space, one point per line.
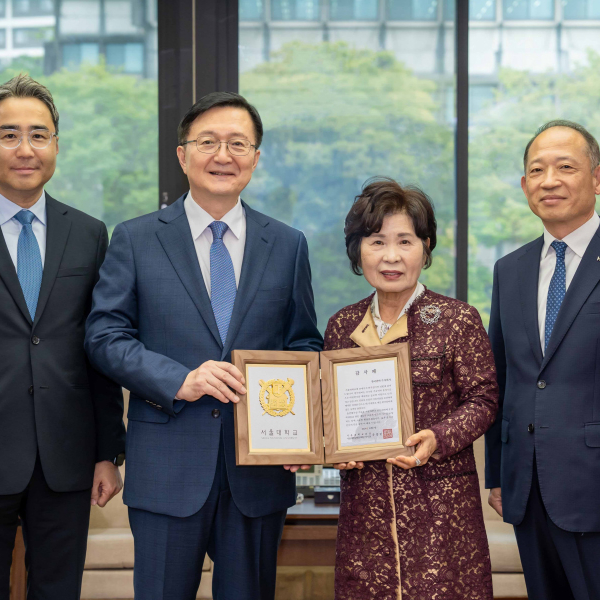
210 145
38 138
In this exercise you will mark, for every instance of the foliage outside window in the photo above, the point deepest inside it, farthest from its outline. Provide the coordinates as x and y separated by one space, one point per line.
108 160
335 116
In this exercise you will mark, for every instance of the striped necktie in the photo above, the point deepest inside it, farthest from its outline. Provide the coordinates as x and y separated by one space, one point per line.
29 261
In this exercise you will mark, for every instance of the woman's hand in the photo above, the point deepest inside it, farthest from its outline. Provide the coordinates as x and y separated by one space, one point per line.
294 468
426 446
349 465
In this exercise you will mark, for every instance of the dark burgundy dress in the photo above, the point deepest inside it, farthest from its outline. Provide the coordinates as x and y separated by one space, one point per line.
419 534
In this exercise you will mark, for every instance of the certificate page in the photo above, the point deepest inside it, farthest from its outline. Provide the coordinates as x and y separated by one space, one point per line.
277 408
367 403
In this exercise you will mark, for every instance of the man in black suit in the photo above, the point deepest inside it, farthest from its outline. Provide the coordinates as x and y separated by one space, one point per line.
61 427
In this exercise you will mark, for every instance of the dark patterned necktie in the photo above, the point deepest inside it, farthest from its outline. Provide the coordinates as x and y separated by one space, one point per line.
222 279
556 291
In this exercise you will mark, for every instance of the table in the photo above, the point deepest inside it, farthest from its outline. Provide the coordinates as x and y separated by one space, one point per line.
309 535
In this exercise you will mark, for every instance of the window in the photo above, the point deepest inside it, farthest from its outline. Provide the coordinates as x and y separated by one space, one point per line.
581 9
129 57
251 10
413 10
2 38
74 55
528 9
2 9
479 10
541 73
32 8
32 37
354 10
295 10
119 17
108 160
339 112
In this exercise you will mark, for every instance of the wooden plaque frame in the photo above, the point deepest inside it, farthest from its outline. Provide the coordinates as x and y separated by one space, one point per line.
316 455
333 452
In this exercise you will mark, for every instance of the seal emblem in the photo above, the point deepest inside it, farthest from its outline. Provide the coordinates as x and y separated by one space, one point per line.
277 397
430 314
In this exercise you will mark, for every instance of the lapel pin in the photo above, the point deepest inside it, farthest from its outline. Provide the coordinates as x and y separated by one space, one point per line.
598 259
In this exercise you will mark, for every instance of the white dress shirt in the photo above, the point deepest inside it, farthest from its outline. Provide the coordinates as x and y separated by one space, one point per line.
234 238
382 326
11 228
577 242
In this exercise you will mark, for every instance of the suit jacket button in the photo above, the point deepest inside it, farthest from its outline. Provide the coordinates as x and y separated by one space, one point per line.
530 427
216 413
35 340
541 384
30 390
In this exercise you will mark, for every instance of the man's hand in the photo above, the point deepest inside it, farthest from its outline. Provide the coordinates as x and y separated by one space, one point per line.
294 468
426 446
495 500
213 379
107 483
349 465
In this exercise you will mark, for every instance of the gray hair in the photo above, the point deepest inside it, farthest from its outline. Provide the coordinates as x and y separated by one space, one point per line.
593 151
23 86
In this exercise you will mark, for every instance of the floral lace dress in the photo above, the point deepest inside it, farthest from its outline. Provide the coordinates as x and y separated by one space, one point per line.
419 534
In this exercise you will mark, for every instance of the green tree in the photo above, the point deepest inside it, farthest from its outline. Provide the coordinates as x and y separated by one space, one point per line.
334 117
107 164
499 217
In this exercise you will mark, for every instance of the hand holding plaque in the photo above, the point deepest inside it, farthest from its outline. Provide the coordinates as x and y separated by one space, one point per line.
361 398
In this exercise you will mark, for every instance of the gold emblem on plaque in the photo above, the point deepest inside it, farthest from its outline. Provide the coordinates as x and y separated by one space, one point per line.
277 397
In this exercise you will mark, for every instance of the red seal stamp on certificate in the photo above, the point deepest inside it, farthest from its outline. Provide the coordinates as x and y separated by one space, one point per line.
387 434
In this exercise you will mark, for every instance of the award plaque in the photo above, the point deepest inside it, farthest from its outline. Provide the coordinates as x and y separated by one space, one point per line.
279 420
309 407
367 403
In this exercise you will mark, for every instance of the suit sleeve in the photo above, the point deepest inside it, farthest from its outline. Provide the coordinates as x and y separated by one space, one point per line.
493 444
301 332
107 395
475 380
112 340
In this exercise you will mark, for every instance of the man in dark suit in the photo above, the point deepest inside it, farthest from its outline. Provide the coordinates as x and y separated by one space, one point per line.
179 290
543 452
61 422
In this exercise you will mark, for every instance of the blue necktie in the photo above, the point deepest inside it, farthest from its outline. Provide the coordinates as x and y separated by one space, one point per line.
556 291
222 279
29 261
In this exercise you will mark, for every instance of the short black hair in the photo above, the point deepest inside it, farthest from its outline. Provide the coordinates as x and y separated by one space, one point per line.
382 197
214 100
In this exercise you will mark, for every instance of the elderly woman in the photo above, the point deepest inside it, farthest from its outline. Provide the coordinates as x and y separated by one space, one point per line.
412 527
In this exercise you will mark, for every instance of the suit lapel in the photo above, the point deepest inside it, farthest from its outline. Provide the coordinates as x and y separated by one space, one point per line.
259 243
8 274
176 240
529 272
57 233
585 280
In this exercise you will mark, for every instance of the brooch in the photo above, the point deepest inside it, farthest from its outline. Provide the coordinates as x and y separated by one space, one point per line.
430 314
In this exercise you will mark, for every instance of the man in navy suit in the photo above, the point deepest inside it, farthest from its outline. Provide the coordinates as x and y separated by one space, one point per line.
181 288
543 452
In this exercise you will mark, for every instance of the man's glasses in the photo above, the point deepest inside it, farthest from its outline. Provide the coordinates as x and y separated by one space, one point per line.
38 138
210 145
